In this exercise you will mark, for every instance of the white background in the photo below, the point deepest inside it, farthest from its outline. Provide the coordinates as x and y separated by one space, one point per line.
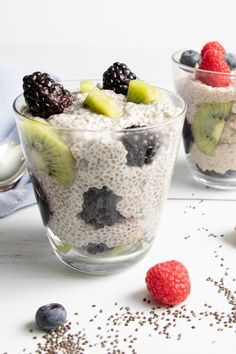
96 33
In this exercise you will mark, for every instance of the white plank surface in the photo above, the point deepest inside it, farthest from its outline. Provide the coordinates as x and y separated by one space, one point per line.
30 275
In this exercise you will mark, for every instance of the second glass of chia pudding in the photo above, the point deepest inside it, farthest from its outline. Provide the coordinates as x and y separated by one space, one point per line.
206 80
100 158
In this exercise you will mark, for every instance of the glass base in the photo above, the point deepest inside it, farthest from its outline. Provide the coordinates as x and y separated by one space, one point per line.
213 179
116 260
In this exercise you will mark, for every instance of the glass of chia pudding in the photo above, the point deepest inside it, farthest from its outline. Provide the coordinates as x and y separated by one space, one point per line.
206 80
100 158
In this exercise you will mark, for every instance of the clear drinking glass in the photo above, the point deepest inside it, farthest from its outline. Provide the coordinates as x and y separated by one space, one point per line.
209 132
102 214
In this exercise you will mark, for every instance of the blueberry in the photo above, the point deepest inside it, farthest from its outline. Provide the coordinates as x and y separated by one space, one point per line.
230 60
190 58
49 317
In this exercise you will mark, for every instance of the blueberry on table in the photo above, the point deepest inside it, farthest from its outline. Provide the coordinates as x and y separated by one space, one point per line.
51 316
190 58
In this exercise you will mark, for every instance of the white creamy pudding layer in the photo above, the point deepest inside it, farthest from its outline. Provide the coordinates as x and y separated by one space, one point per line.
194 92
101 161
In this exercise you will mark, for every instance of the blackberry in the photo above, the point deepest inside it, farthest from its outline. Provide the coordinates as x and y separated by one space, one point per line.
94 248
99 207
43 96
187 136
141 147
41 200
117 78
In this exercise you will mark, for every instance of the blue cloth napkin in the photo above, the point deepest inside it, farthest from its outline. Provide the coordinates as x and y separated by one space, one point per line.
11 86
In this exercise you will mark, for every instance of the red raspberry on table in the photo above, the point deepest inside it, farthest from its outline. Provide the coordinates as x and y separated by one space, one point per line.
212 45
214 60
168 282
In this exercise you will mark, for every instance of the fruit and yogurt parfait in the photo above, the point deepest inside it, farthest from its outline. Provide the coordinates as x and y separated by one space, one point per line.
206 80
100 158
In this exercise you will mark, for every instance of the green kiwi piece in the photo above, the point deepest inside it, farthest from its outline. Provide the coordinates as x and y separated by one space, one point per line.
208 125
140 91
64 248
101 103
86 85
47 151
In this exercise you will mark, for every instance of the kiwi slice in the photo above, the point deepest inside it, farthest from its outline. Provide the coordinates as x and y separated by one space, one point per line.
208 125
140 91
86 85
65 248
47 151
100 103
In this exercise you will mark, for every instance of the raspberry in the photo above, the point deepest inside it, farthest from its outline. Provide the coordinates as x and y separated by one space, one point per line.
168 282
212 45
214 61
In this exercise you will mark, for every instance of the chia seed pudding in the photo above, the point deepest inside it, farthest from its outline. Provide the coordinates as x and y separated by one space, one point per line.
102 205
210 123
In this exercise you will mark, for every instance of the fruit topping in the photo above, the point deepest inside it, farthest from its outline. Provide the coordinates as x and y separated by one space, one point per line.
86 85
51 316
141 146
117 78
190 58
187 136
212 45
94 248
99 207
47 151
41 200
101 103
168 283
214 60
140 91
43 96
208 125
231 60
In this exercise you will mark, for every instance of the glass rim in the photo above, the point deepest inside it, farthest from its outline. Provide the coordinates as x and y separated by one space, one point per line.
178 116
194 70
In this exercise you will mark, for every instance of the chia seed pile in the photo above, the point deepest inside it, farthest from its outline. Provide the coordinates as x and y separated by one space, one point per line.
153 321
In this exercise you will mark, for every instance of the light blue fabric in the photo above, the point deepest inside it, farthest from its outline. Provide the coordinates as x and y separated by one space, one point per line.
10 87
